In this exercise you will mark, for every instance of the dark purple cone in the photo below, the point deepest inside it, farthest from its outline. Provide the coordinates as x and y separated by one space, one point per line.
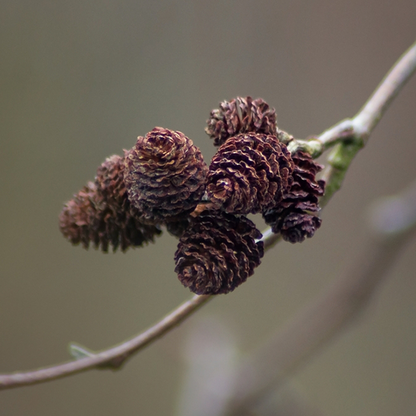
294 217
217 253
102 214
165 176
74 220
241 115
249 174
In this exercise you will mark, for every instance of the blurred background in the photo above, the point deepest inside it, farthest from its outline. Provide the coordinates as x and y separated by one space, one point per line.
80 80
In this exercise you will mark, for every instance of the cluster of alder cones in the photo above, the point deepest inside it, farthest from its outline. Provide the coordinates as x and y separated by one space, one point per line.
164 181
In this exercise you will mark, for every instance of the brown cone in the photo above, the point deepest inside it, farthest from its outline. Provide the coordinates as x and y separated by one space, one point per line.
249 173
74 220
294 217
241 115
102 214
165 175
217 253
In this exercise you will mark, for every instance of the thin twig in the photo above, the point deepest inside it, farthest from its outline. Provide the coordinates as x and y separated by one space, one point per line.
352 134
367 119
330 312
359 127
113 357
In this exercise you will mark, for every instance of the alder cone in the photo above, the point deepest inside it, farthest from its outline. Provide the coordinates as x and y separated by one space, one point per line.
217 253
74 220
241 115
249 174
110 184
118 218
102 215
294 217
165 176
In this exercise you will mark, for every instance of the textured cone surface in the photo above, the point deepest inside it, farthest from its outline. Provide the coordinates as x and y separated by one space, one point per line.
74 220
217 253
102 215
294 217
165 175
241 115
249 173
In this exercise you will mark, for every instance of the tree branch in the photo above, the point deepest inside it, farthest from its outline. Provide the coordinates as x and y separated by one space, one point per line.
359 128
351 133
331 311
112 358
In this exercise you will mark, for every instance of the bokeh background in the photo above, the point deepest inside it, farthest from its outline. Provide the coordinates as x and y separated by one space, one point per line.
80 80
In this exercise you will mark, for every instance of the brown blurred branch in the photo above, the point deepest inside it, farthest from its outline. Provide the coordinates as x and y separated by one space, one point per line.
359 128
110 358
331 311
211 358
351 133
